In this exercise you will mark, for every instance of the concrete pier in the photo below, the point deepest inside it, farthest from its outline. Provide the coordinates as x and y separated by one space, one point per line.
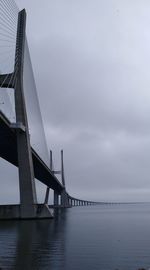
10 212
56 198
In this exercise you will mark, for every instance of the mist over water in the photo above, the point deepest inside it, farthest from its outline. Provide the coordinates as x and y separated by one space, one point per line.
107 237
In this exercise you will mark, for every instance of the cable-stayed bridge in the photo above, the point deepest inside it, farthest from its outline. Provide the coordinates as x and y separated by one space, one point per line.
22 137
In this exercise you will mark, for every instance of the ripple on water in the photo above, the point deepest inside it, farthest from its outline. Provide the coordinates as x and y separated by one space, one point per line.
93 238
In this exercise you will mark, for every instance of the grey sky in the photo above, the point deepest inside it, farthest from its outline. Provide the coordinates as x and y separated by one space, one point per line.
91 60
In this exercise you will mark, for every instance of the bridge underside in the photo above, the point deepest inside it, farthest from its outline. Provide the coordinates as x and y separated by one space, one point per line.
8 151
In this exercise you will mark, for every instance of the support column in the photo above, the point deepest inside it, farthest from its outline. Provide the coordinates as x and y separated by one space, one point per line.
62 168
47 195
64 199
56 196
71 202
28 198
64 195
48 189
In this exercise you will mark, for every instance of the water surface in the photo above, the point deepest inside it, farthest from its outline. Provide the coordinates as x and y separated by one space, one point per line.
89 237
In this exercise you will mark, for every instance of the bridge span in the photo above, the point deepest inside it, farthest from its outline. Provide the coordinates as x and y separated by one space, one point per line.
8 151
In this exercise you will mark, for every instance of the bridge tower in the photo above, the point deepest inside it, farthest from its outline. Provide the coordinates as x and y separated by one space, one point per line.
28 207
64 195
28 198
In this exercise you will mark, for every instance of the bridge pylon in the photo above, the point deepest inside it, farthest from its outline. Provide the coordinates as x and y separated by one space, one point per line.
28 207
64 194
28 198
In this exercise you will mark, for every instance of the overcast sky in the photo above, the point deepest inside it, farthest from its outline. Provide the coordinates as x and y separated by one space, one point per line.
91 60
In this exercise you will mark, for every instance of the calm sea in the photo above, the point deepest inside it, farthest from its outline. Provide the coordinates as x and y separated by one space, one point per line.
106 237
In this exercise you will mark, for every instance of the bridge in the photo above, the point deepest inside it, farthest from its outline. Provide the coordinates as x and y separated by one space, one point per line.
17 131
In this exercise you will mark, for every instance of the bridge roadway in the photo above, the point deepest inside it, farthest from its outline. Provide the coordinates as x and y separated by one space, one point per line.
8 151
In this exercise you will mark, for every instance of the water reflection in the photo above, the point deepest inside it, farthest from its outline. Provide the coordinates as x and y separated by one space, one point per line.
33 244
98 237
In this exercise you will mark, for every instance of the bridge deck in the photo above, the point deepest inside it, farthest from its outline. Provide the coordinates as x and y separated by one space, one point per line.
8 151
